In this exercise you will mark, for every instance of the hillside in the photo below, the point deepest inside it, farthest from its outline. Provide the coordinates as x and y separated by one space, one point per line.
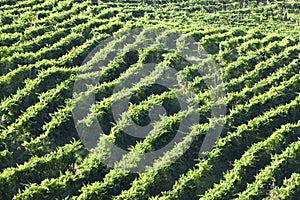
241 106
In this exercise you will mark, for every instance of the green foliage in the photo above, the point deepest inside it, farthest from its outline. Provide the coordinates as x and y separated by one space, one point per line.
255 46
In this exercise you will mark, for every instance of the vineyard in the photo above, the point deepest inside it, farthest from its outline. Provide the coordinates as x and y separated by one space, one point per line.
254 44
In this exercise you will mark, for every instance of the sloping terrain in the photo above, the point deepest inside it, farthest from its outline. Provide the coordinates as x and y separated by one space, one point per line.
255 45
